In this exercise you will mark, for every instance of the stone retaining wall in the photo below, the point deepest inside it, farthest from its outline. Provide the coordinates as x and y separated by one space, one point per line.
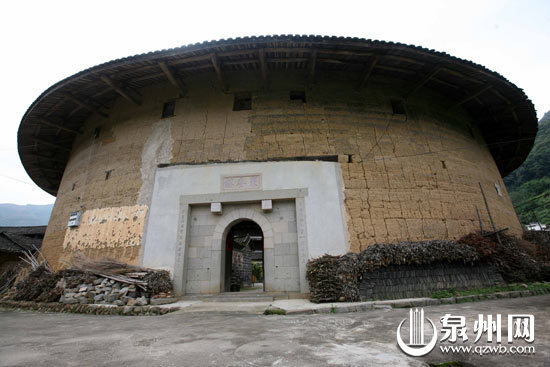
408 281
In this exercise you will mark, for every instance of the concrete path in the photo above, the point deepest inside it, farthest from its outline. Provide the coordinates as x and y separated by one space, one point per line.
220 339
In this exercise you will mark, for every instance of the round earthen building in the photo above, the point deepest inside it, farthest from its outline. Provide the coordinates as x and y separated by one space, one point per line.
287 146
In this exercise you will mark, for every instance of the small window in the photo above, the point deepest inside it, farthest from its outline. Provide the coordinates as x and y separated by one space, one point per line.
97 131
74 186
397 107
168 109
242 102
298 95
443 165
108 174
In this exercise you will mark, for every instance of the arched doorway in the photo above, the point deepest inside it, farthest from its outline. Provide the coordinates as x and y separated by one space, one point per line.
244 258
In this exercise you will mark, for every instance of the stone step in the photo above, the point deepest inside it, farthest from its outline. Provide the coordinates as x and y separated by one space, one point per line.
237 299
244 296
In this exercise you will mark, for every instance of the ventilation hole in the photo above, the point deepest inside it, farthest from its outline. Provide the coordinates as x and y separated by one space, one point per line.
168 109
108 174
97 131
397 107
242 102
298 95
443 165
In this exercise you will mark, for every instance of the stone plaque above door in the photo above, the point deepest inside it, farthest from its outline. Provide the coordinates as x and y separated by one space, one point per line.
241 182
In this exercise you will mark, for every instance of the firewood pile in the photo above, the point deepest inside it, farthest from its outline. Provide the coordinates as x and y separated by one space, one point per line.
515 259
103 281
321 274
336 278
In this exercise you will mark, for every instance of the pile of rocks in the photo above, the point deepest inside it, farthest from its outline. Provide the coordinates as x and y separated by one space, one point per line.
105 291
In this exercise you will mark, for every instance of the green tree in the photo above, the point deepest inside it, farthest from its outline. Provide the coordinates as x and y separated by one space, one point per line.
529 185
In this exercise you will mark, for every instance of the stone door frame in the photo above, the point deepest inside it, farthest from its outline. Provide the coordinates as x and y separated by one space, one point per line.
217 245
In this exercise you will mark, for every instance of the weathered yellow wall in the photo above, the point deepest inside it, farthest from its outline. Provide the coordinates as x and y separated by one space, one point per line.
396 187
107 230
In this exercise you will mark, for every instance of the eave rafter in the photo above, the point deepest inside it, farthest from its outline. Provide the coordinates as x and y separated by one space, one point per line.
471 96
47 122
368 71
171 77
85 105
46 157
218 70
123 91
51 144
263 66
312 64
423 81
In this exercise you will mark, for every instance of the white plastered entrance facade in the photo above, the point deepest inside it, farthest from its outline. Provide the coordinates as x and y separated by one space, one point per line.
205 265
185 233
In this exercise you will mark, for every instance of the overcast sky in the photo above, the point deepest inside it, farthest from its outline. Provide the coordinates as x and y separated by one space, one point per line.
45 41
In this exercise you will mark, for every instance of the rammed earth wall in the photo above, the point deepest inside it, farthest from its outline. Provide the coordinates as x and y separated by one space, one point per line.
406 177
410 281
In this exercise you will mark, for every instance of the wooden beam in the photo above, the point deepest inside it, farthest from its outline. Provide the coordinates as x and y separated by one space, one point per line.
263 66
369 70
53 145
312 64
218 69
401 58
85 105
460 75
146 77
447 84
471 96
171 77
46 122
393 68
45 169
423 81
55 106
45 157
118 88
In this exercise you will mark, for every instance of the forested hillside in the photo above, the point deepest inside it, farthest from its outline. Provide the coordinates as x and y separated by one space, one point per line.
529 185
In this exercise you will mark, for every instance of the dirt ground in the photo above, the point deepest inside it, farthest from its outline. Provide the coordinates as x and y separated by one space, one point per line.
218 339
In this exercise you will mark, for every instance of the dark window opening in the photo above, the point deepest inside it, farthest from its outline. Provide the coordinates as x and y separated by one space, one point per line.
242 102
398 107
74 185
97 131
298 95
108 174
443 165
168 109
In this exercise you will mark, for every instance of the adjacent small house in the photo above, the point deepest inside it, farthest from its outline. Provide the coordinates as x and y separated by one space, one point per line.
15 241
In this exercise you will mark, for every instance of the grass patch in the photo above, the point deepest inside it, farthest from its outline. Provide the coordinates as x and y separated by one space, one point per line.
274 311
490 290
